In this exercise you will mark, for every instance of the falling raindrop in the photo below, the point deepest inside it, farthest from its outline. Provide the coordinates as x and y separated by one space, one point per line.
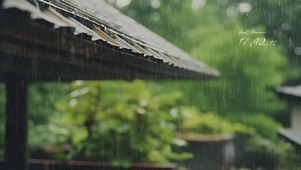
244 7
297 50
231 11
155 3
285 27
197 4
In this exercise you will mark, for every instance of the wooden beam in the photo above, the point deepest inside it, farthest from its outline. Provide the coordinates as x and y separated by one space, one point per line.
40 66
66 41
16 154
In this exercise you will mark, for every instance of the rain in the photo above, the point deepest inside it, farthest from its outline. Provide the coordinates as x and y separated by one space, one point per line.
152 84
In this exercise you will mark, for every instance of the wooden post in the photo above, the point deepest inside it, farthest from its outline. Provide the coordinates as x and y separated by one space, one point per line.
16 154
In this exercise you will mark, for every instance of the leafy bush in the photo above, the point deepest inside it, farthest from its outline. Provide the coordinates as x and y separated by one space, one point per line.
46 135
208 123
101 118
42 99
124 122
267 154
263 125
120 122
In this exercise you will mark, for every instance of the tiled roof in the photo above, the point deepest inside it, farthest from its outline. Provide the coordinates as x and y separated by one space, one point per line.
116 39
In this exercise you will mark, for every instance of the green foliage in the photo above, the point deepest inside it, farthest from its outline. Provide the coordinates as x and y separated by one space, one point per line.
209 123
264 125
268 154
120 122
42 98
280 18
246 71
46 136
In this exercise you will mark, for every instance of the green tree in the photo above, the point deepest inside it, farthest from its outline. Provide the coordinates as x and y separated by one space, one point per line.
213 35
247 71
281 20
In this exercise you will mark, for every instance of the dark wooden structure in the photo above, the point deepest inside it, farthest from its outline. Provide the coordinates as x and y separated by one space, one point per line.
65 40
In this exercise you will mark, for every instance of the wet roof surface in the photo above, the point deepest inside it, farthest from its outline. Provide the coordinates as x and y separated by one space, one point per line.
112 18
128 43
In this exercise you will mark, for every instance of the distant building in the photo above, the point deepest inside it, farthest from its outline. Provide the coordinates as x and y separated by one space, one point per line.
292 94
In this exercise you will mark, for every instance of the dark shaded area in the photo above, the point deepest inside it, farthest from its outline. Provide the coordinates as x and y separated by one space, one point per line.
16 153
82 165
211 153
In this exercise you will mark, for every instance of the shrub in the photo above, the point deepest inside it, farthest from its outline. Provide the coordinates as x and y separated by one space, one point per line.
267 154
121 123
208 123
262 124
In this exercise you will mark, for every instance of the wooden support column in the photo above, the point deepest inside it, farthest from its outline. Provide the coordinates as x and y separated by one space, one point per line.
16 154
